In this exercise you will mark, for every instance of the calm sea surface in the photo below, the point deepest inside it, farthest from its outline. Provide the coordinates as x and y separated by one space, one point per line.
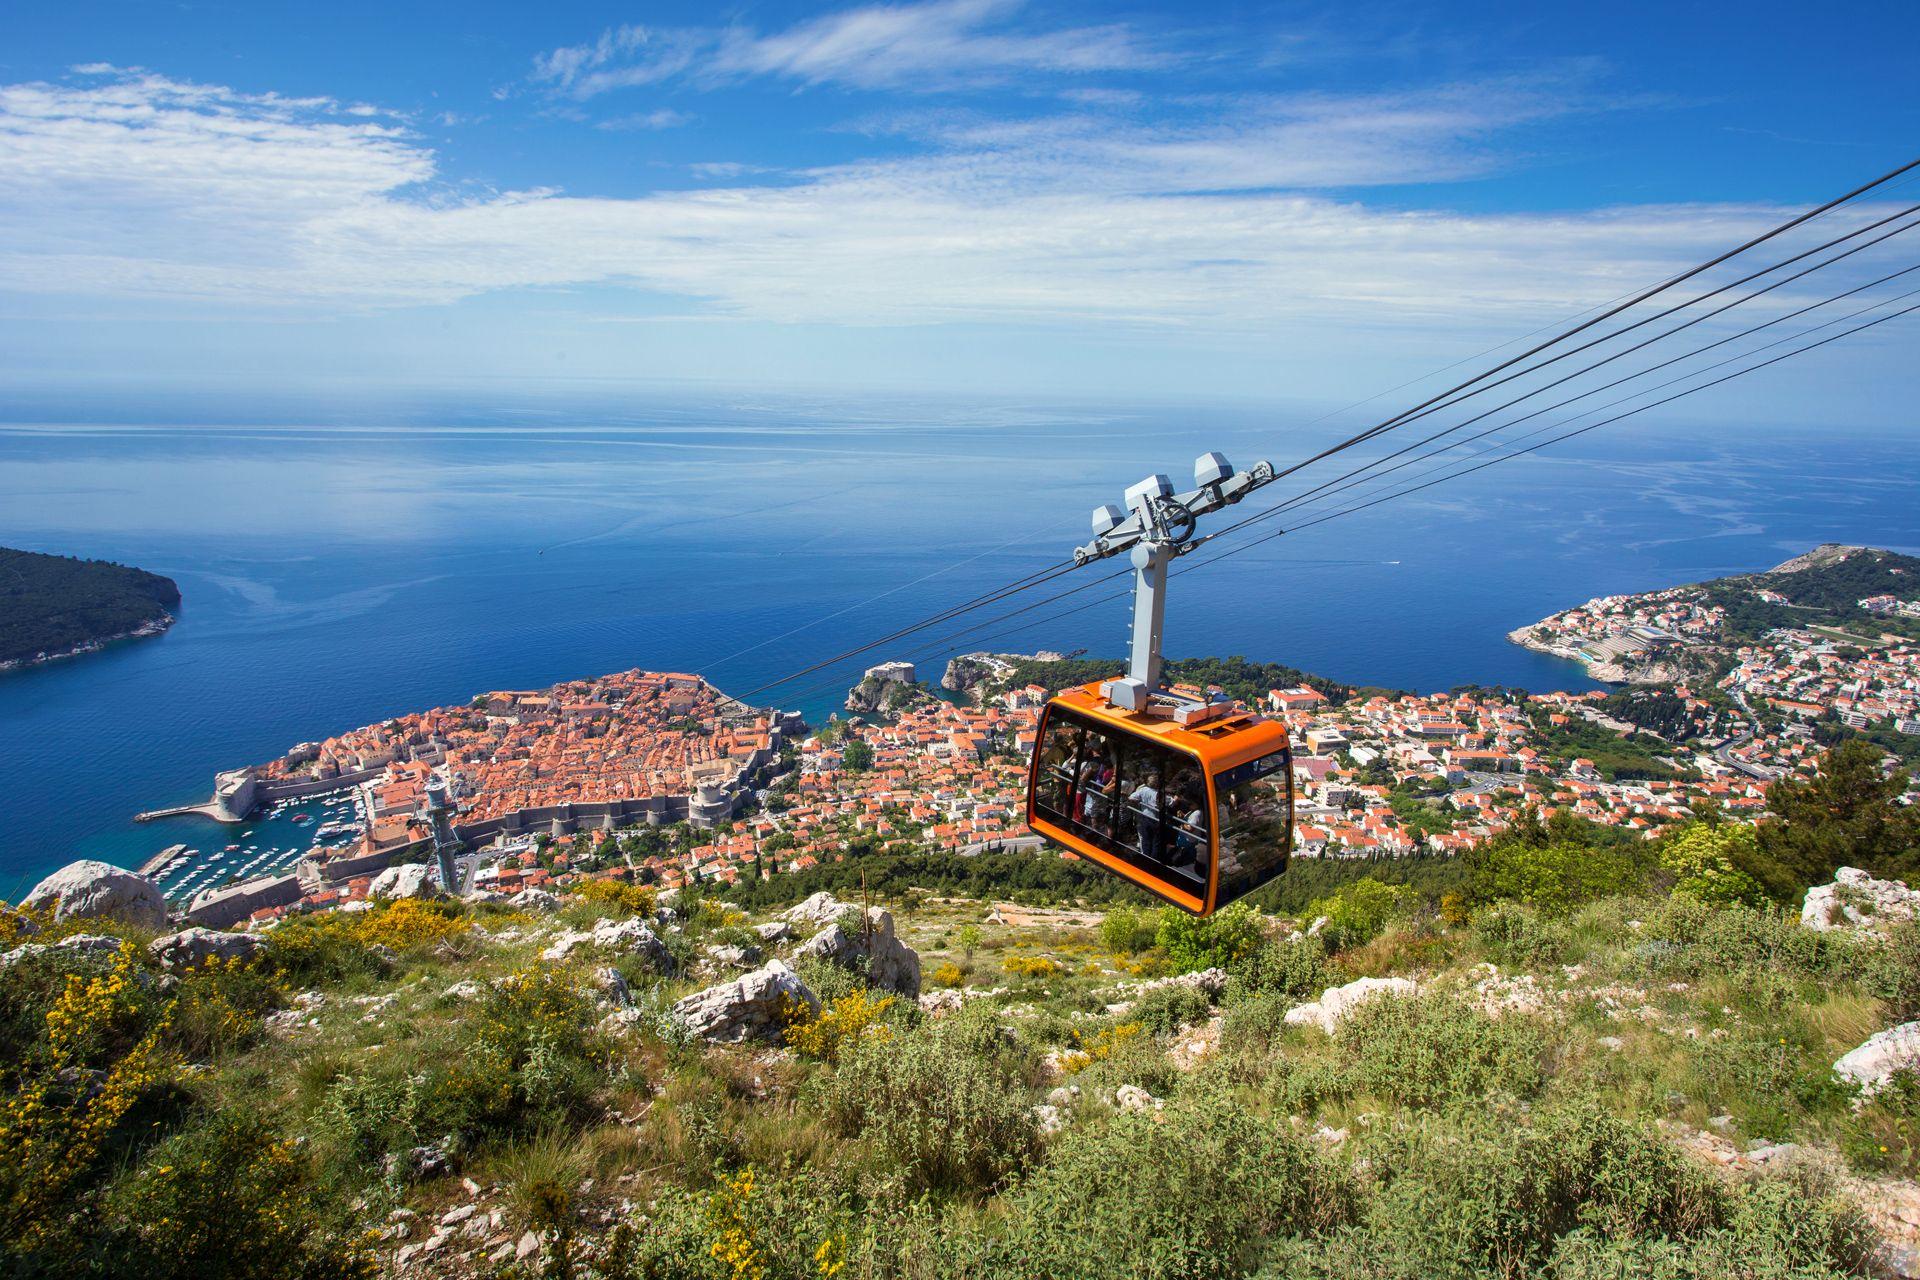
344 564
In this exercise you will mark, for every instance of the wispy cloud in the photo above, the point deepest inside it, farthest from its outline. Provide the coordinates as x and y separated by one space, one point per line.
939 44
132 184
664 118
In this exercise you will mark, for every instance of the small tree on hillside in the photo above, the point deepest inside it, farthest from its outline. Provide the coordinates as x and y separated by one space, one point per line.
1846 815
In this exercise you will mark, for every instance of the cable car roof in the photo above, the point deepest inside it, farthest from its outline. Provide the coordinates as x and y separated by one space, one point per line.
1221 743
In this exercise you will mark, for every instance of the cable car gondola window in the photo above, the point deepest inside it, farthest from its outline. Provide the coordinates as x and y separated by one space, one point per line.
1131 798
1256 823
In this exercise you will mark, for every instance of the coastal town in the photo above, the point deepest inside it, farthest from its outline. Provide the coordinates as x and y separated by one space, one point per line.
661 778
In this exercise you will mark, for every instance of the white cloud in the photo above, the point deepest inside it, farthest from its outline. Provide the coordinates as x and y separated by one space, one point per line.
664 118
938 44
144 186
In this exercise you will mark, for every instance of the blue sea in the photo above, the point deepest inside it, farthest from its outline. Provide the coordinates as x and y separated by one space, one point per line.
343 560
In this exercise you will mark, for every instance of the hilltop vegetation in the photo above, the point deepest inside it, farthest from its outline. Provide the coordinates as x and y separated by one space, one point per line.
1823 587
55 604
1589 1058
1240 678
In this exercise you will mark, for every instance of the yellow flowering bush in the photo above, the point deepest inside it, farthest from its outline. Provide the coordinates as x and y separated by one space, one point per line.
409 924
219 1006
17 924
336 945
948 974
1098 1049
97 1059
841 1024
733 1246
1032 966
718 915
633 899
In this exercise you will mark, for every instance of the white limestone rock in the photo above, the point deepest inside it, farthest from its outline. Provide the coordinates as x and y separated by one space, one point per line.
890 963
1208 982
1873 1063
192 948
748 1008
822 908
734 957
89 945
409 880
87 890
1856 900
774 931
632 936
534 900
1335 1003
1131 1097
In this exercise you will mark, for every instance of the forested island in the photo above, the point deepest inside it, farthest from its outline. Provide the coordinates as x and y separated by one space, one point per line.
59 606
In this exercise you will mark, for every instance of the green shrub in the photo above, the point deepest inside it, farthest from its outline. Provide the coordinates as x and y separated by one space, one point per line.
1127 930
1429 1050
1555 877
940 1113
1520 936
1710 862
1295 967
1683 937
530 1058
1222 940
1357 912
1763 1081
1194 1191
828 980
1165 1010
1792 1227
363 1117
1477 1193
228 1198
1900 967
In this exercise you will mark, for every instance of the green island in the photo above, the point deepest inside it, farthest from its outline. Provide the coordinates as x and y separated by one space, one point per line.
56 606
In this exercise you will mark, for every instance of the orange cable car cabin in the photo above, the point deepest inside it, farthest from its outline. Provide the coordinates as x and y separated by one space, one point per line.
1190 800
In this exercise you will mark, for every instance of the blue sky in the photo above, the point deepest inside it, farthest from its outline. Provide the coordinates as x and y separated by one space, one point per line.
985 196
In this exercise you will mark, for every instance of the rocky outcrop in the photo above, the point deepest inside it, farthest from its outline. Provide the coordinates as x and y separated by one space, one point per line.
967 671
1856 900
192 948
888 962
408 880
534 900
634 937
1335 1003
1873 1064
88 890
820 908
89 945
1211 983
882 687
754 1006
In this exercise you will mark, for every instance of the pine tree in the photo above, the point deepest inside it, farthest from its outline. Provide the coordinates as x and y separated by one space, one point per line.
1846 815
